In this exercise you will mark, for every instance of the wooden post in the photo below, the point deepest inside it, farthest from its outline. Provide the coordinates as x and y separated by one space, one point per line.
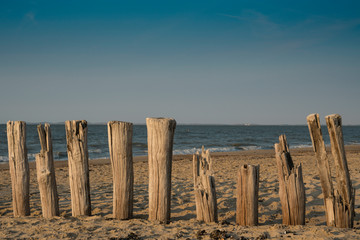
323 166
76 138
19 167
247 195
345 193
204 187
291 185
160 145
120 148
46 174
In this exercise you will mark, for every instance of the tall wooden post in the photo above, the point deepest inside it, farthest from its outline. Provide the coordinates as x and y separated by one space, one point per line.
46 174
247 195
291 185
76 138
204 187
160 145
345 193
323 166
339 203
120 148
19 167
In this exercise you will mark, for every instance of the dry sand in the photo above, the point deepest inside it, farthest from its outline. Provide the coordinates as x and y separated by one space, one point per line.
183 219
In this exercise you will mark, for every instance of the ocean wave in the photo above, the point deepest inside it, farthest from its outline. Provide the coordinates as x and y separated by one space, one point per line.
60 154
4 158
31 156
98 150
245 146
251 148
140 145
211 149
301 146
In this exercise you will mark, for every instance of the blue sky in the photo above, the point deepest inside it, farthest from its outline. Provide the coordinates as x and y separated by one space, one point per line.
231 62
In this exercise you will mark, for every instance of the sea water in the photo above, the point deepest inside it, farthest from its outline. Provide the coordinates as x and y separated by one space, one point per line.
187 140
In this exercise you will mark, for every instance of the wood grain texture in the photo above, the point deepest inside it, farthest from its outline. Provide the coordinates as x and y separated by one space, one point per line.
291 185
46 173
120 148
247 195
19 167
344 194
160 133
322 161
76 138
204 187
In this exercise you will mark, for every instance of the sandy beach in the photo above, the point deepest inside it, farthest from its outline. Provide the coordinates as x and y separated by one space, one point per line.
183 223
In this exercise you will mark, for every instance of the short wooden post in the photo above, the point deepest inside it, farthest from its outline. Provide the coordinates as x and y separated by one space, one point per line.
76 138
247 195
19 167
291 185
160 145
46 174
323 166
120 148
345 193
204 187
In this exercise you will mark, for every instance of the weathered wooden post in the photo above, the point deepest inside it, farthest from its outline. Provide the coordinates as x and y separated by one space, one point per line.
46 174
247 195
76 138
160 145
19 167
323 166
345 193
120 148
291 185
339 204
204 187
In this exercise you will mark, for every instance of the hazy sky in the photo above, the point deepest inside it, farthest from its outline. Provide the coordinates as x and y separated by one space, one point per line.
263 62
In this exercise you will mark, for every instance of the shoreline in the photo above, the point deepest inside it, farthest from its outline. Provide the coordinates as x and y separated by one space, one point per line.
177 157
